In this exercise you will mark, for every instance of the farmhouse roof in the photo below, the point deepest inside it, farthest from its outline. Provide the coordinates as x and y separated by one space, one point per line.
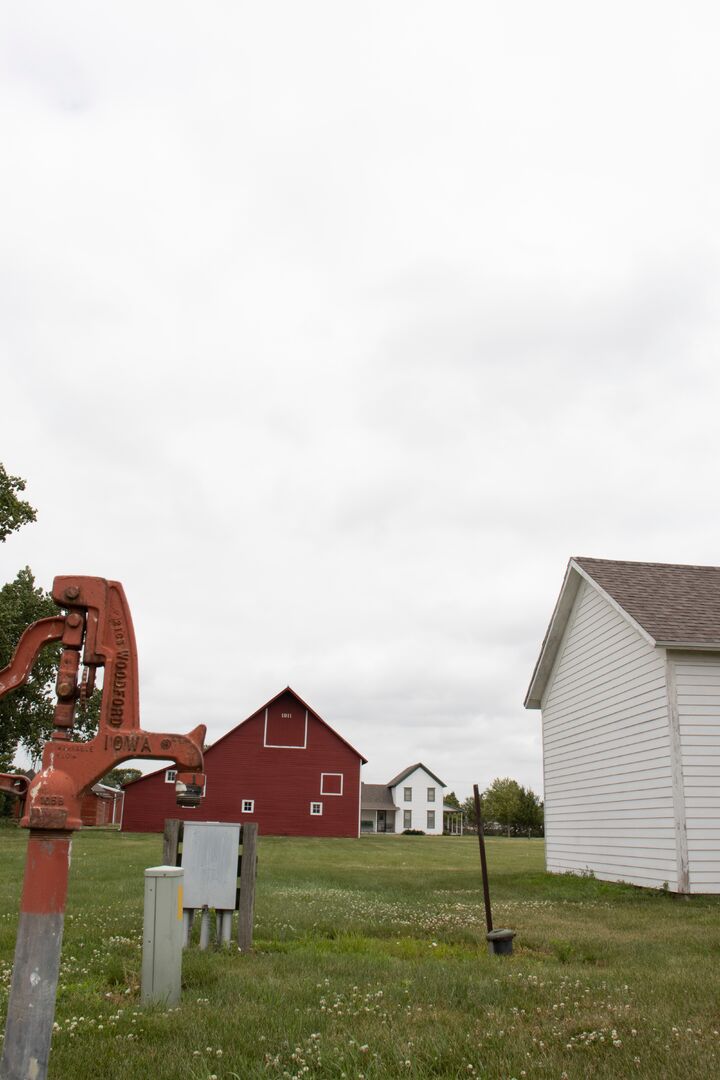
211 749
376 797
670 604
411 768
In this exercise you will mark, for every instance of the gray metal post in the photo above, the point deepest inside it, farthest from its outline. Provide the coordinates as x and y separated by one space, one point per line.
188 919
31 1006
223 926
162 935
205 928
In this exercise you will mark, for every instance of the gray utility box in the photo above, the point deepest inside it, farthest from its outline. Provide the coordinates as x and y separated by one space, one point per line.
210 862
162 935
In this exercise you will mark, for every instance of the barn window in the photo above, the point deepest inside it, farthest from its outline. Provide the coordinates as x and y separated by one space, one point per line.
316 809
407 819
430 819
170 775
407 794
331 783
248 805
431 794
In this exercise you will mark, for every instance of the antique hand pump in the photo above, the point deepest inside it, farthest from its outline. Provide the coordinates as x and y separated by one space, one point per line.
95 631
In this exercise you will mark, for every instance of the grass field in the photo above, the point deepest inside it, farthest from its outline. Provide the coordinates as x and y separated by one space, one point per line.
370 962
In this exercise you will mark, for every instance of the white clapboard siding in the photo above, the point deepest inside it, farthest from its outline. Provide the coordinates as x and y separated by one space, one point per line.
697 685
607 752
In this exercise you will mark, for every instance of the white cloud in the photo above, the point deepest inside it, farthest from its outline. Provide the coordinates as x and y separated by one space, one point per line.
332 331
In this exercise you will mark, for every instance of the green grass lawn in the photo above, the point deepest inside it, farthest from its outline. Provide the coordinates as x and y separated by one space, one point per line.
370 962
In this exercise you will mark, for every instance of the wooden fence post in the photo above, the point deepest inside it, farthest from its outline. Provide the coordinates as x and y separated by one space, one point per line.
248 870
170 841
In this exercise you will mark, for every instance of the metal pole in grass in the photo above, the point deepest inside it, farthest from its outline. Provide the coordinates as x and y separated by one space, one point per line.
499 941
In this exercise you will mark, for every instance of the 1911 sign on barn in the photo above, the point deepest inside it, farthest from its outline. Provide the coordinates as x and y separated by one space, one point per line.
284 768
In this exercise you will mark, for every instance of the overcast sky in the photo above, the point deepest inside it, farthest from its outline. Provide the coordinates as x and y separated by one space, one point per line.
333 329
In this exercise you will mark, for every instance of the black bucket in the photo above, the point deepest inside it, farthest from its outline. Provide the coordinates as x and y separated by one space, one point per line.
500 942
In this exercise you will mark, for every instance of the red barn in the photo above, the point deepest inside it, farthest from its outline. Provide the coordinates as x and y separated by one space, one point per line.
283 767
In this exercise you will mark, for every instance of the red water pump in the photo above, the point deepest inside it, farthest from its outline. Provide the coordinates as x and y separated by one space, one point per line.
95 631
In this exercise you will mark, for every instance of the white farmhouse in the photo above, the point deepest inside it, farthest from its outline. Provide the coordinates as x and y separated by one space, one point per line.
411 800
628 680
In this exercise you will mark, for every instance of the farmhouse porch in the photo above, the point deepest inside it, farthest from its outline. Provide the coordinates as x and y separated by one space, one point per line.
452 820
377 810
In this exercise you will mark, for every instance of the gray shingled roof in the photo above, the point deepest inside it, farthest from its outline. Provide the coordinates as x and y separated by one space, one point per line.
411 768
376 797
674 603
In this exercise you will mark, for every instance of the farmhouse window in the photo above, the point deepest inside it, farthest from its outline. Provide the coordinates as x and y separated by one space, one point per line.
170 775
248 805
331 783
431 794
407 819
430 819
316 809
407 794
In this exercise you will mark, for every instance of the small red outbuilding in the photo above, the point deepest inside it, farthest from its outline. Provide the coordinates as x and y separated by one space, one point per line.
284 768
101 805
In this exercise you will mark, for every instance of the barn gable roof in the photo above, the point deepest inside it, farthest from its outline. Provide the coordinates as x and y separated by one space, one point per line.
669 604
214 746
411 768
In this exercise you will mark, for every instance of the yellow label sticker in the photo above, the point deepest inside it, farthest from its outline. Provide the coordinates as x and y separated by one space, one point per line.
180 900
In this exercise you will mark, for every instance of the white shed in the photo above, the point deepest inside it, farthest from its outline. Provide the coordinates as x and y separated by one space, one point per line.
628 680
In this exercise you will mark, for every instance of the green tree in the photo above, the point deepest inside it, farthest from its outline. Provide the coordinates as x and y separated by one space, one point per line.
530 811
26 714
118 777
14 512
452 800
501 802
468 808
